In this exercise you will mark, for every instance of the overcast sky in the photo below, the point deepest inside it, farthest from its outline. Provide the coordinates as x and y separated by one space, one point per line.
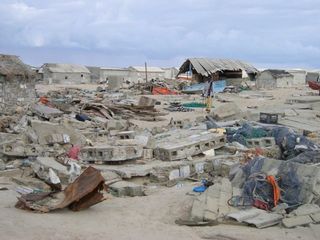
267 33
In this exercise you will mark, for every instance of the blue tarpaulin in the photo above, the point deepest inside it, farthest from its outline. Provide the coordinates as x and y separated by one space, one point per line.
198 87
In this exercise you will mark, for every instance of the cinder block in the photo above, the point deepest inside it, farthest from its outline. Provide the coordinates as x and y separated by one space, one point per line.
189 146
124 135
102 154
261 142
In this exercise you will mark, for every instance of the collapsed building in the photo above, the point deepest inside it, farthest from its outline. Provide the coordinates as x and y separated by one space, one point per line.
17 82
202 69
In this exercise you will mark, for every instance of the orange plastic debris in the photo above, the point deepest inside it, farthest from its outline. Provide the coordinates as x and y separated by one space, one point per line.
163 91
44 100
276 189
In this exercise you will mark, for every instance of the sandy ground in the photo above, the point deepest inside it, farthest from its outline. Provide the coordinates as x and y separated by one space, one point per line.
149 217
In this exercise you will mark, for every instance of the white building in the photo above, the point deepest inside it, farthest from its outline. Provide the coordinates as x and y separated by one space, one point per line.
270 79
120 73
138 74
170 73
58 73
299 76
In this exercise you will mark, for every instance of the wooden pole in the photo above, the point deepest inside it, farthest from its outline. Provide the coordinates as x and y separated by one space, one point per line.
146 69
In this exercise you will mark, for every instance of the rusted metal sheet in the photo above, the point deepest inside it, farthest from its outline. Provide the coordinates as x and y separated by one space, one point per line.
84 192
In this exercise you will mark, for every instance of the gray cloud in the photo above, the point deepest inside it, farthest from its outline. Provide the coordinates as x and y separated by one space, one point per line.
129 32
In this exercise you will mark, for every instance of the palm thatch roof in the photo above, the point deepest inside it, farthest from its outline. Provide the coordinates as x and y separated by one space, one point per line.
11 65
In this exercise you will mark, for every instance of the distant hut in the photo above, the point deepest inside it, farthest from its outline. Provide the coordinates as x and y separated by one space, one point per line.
274 78
17 82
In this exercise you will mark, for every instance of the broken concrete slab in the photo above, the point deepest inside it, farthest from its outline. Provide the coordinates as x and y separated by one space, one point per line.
46 129
45 111
110 177
18 148
264 220
212 204
113 124
305 209
42 165
146 101
228 111
301 123
124 188
315 217
303 99
297 221
256 217
241 216
33 183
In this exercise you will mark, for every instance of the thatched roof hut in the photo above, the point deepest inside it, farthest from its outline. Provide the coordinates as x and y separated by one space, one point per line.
11 66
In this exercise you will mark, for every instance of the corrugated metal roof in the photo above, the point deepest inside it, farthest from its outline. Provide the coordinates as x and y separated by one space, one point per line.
114 69
65 68
206 66
149 69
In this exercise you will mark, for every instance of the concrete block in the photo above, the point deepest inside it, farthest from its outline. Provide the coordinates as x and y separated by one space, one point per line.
147 101
105 153
191 145
123 134
180 124
297 221
124 188
264 142
58 138
147 154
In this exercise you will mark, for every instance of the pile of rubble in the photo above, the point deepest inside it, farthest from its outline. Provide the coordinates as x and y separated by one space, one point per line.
73 146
